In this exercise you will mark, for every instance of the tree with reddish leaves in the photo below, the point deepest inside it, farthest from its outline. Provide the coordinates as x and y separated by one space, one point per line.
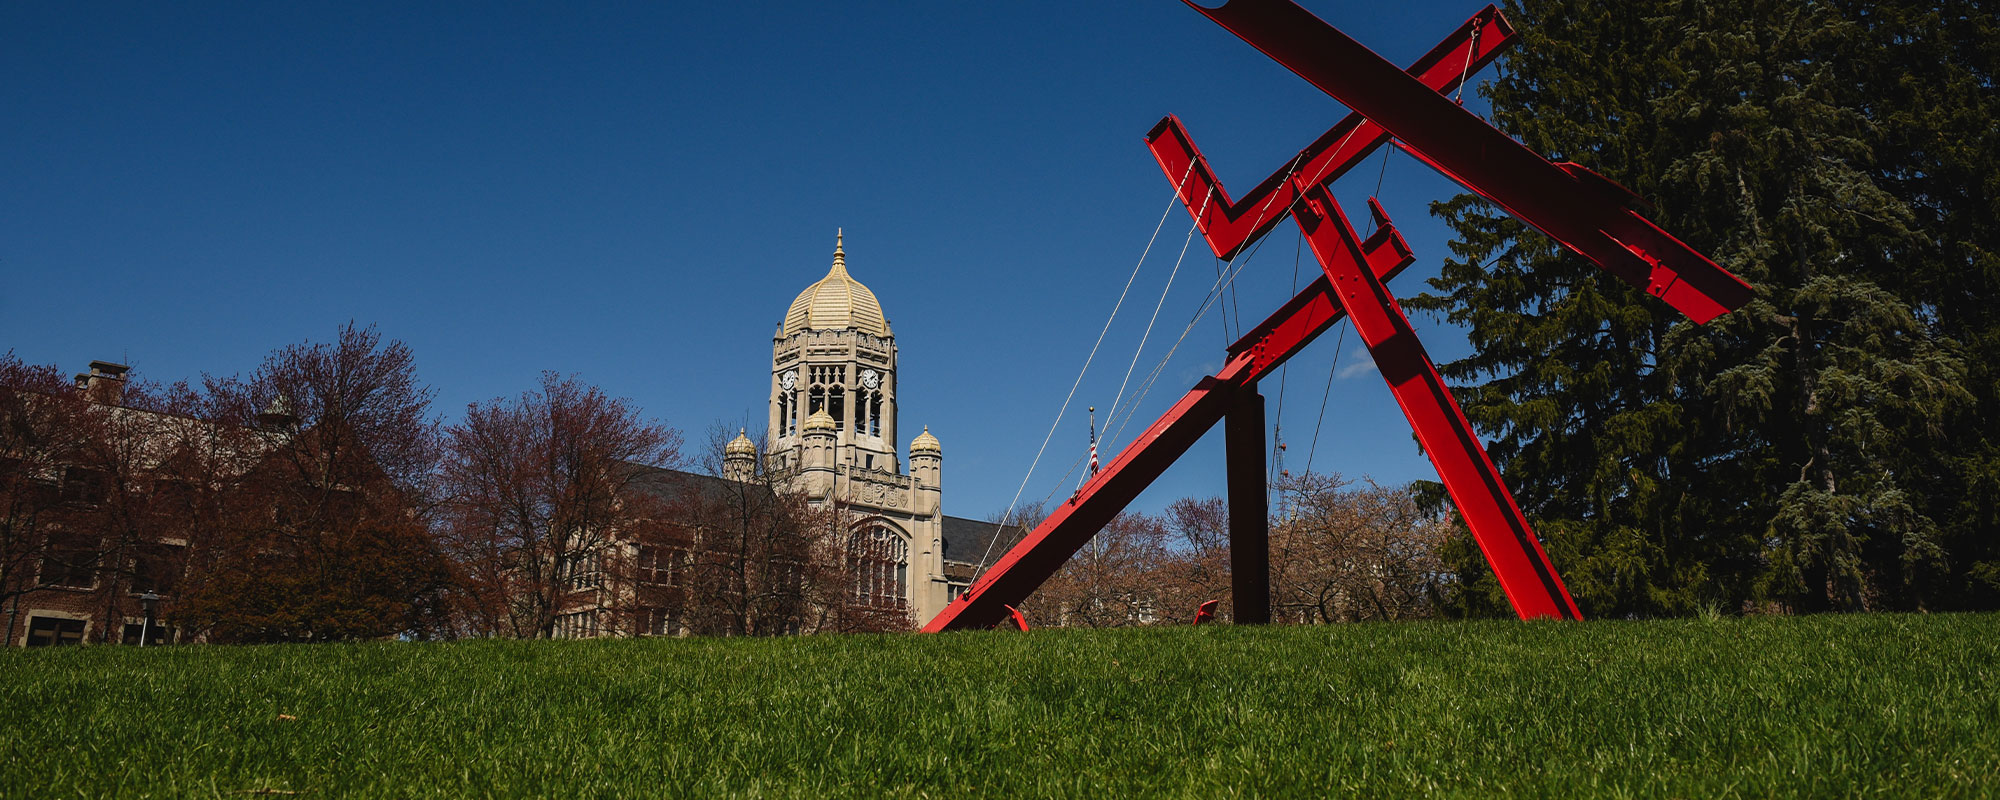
46 428
84 524
539 489
327 450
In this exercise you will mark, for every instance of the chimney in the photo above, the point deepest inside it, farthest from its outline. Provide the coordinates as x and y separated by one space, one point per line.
104 383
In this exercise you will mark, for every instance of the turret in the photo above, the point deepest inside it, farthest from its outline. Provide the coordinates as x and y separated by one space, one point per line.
817 441
926 458
739 457
926 466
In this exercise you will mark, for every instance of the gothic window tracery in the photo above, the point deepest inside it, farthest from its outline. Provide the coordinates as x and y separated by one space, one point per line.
880 562
828 392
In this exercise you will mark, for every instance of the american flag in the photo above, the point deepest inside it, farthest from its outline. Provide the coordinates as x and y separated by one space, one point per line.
1093 440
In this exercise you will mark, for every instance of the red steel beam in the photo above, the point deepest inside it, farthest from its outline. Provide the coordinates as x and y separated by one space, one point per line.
1586 212
1503 534
1229 226
1030 562
1313 310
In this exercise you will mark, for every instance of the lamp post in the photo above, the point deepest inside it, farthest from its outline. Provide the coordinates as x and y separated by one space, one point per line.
151 601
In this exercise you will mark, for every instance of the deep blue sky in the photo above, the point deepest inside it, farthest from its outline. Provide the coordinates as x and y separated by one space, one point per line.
634 193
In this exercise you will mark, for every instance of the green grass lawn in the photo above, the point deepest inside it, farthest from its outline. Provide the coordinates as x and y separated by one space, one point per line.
1904 706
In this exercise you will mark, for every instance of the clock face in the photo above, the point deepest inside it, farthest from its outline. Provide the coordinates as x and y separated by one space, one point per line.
789 379
870 379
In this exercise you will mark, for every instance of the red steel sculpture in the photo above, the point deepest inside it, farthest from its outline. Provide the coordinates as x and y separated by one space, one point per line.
1587 213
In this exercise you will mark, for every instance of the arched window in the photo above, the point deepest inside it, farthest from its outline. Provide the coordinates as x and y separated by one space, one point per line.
880 561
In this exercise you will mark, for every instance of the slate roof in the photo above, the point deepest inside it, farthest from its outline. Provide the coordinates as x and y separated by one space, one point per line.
966 540
671 483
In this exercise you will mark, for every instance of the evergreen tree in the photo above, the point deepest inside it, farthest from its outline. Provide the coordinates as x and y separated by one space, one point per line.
1789 451
1928 81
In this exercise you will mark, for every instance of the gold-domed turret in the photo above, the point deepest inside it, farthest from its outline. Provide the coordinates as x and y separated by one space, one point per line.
741 445
836 302
926 443
819 421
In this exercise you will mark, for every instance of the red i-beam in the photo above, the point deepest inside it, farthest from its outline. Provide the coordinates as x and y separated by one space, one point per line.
1030 562
1565 201
1586 212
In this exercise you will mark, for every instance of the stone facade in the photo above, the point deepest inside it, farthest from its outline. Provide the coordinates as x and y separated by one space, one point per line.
834 417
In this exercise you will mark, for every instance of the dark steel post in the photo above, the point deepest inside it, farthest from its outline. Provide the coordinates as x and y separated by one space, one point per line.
1249 517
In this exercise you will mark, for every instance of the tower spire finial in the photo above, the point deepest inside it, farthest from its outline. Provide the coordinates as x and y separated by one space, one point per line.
839 252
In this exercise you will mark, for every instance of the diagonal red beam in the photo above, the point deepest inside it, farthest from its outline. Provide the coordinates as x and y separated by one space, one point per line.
1229 226
1584 211
1489 510
1313 310
1030 562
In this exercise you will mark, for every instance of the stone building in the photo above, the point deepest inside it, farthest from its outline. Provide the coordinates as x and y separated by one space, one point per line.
834 416
834 421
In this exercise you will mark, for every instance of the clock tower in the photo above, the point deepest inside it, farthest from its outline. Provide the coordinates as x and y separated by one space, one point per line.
833 423
835 353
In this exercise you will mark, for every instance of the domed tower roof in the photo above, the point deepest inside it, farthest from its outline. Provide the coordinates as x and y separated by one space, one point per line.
836 302
741 445
819 421
926 443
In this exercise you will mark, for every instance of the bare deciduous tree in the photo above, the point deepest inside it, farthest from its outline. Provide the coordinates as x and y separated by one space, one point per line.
1355 553
1111 582
1195 568
766 560
539 487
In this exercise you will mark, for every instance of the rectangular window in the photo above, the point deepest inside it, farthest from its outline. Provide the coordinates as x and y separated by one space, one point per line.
662 566
54 631
580 625
156 634
659 622
84 485
70 562
586 571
